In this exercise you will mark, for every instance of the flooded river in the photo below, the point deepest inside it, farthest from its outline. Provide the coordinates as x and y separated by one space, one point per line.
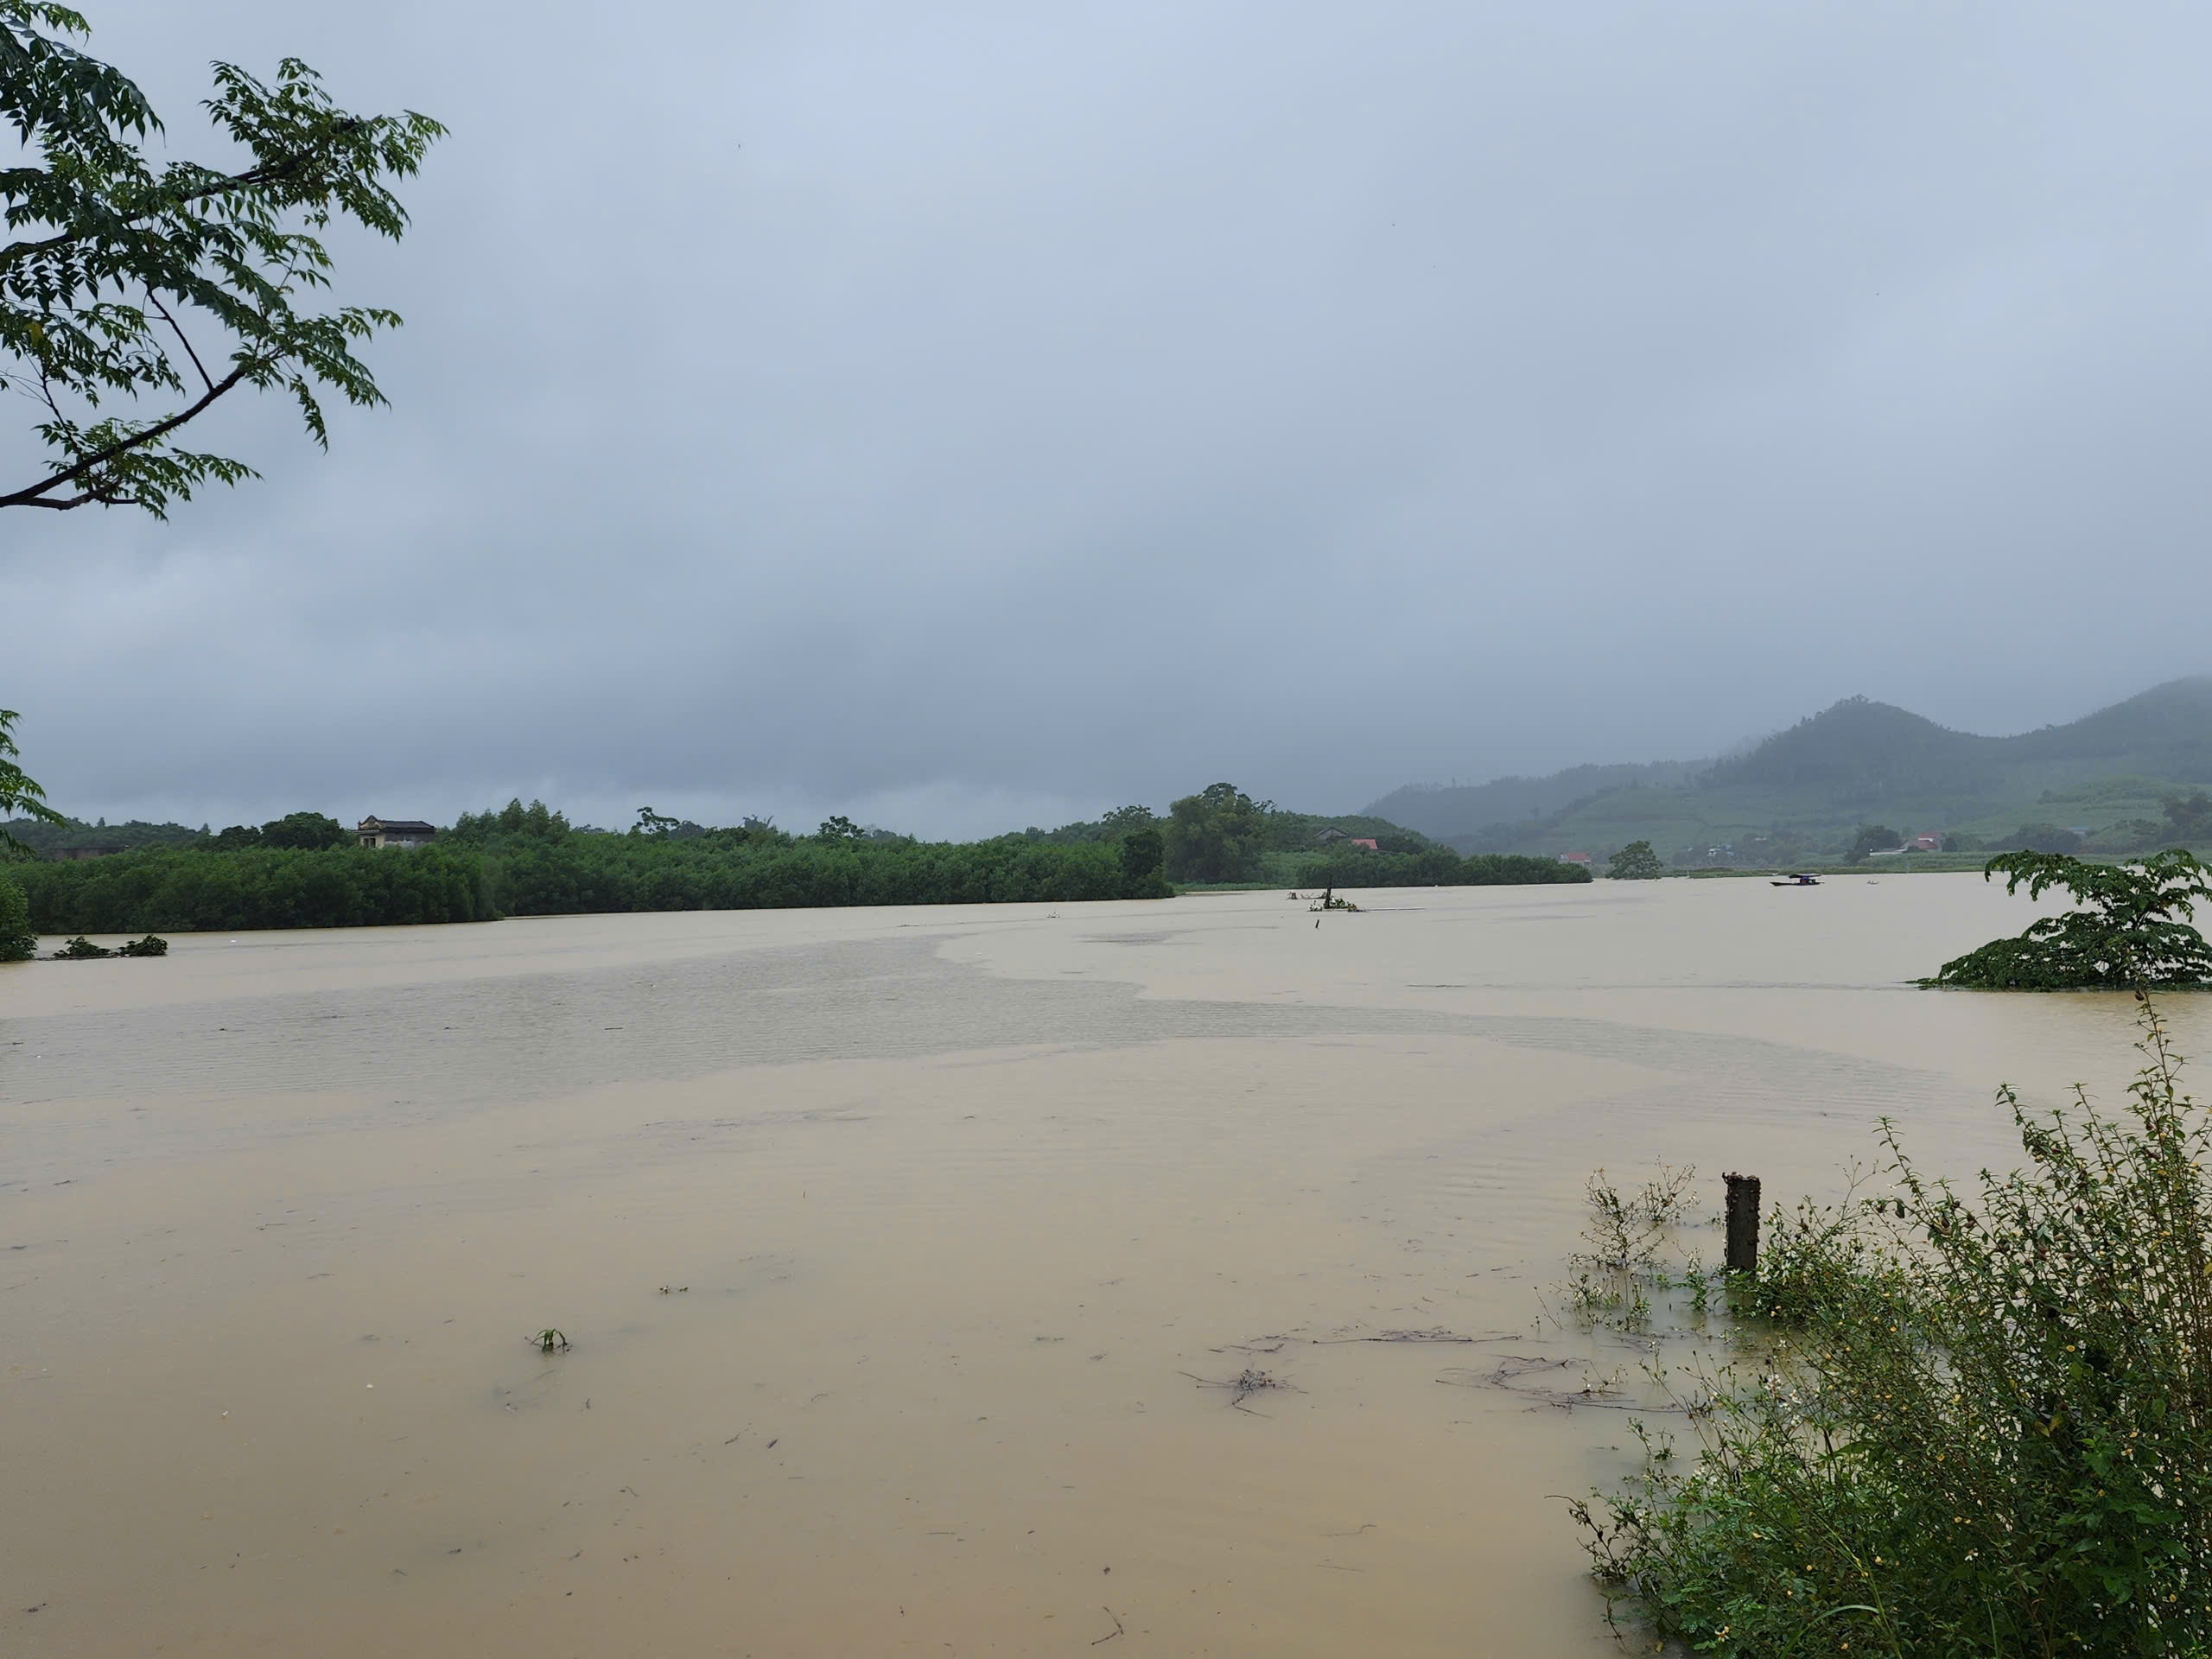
900 1251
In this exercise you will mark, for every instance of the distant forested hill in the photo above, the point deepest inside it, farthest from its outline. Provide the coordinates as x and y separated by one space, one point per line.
1443 811
47 839
1807 791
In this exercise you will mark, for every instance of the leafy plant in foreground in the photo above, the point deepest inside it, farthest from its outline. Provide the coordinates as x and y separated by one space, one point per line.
2132 932
1985 1429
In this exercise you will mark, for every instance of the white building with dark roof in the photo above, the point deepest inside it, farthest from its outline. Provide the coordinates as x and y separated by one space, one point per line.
395 832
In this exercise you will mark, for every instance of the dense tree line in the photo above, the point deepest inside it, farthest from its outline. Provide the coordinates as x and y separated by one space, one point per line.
1221 835
559 874
725 870
187 890
299 871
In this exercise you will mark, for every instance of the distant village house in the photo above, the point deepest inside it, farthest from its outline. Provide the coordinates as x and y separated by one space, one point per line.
1333 836
395 832
1574 858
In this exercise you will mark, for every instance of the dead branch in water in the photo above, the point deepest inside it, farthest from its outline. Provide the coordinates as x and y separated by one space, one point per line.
1602 1391
1246 1383
1437 1334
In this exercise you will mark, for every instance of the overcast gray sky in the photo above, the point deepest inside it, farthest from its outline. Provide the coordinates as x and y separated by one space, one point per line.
966 415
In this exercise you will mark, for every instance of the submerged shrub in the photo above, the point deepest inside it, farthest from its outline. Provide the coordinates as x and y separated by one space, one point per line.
1618 1265
1985 1428
2132 930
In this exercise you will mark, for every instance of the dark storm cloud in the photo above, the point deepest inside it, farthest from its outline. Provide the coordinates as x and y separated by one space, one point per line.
971 415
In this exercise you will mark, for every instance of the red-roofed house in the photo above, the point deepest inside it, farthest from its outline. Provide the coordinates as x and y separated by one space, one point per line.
1574 858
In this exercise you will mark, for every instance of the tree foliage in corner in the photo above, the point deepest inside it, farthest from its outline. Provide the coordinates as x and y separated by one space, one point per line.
2132 932
161 290
1634 862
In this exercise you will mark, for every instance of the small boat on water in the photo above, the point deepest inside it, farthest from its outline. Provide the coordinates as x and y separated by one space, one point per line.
1797 881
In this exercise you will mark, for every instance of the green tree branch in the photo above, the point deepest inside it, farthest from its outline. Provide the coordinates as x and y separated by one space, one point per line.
103 230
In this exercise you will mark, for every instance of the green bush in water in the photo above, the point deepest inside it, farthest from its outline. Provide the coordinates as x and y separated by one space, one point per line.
2132 933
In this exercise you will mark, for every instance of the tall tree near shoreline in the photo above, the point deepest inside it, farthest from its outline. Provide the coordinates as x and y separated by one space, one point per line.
165 289
1635 862
1217 835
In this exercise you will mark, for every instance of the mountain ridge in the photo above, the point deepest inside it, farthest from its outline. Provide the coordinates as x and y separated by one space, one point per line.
1813 782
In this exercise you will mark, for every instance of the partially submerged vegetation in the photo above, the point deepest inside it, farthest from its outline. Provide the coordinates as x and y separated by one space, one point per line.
1222 837
353 887
518 861
2132 932
81 949
179 892
1618 1267
1958 1423
1634 862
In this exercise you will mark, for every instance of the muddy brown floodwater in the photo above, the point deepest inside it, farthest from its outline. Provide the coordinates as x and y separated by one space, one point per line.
894 1247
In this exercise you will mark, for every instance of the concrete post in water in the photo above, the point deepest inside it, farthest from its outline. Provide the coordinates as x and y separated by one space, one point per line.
1743 1223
